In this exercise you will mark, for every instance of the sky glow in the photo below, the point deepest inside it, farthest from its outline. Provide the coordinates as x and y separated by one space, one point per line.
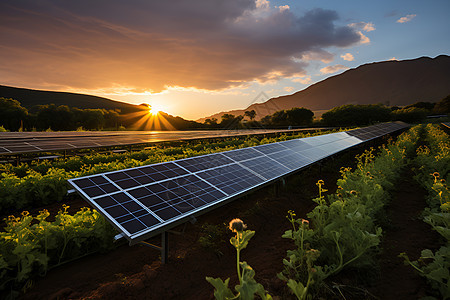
196 58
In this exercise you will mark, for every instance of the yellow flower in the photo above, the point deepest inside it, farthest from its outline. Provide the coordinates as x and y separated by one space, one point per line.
237 225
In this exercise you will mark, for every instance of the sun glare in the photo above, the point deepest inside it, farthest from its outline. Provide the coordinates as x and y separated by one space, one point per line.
155 110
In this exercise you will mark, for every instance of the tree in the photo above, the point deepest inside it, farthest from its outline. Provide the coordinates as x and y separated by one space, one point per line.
299 116
211 122
12 114
230 121
356 115
55 117
251 114
425 105
410 115
443 106
291 117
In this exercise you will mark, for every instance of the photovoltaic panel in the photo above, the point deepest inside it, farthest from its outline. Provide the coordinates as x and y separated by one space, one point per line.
31 142
290 159
266 167
270 148
231 179
242 154
145 200
204 162
296 145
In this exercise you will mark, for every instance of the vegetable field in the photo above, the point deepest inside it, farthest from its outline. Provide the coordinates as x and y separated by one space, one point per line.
368 224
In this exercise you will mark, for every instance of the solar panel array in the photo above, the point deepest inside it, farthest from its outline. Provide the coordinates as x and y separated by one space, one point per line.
147 200
12 143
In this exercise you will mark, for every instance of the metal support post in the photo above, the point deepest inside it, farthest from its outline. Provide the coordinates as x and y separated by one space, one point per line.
164 246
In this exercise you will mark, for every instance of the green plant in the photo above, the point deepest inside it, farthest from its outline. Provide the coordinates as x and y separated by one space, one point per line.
433 159
31 245
341 230
247 287
435 267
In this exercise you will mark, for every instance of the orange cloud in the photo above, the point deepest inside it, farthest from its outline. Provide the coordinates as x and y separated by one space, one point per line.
322 55
152 45
305 80
348 57
333 69
405 19
364 26
289 88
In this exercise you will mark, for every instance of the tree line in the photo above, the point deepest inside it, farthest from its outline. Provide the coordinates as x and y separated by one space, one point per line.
14 117
359 115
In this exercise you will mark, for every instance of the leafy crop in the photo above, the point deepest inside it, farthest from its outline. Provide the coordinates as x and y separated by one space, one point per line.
341 231
247 287
29 245
433 160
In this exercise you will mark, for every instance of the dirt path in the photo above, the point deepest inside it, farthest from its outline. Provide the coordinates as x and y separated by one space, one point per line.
406 232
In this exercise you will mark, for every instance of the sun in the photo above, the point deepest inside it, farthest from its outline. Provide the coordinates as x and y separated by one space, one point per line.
155 110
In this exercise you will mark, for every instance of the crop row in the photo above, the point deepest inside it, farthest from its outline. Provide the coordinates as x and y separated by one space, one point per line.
30 246
340 232
44 182
433 172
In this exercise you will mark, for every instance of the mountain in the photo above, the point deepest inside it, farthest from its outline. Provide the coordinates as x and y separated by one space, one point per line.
394 83
30 98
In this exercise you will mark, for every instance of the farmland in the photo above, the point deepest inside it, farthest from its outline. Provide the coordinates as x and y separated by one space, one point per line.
332 231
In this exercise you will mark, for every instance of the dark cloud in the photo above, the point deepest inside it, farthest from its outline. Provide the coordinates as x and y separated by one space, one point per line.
207 44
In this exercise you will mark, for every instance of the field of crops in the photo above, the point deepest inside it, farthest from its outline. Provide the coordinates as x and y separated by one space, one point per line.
321 236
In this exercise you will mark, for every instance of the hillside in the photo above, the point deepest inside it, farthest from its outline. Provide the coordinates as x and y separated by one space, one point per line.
30 98
390 82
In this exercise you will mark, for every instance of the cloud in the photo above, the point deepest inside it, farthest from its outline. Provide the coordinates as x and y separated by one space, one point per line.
348 57
283 8
289 88
360 27
405 19
333 69
363 26
319 54
363 39
154 45
304 80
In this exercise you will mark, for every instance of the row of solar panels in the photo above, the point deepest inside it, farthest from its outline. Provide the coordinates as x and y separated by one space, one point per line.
144 201
30 142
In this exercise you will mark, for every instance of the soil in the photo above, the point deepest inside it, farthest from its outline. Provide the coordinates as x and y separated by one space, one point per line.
136 272
406 233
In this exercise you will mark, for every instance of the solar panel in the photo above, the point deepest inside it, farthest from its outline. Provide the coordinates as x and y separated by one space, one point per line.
266 167
231 179
204 162
29 142
146 200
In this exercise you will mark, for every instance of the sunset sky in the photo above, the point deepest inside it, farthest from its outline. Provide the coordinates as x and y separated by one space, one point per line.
198 57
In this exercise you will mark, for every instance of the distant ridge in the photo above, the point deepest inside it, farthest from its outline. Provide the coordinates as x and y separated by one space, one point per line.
30 98
389 82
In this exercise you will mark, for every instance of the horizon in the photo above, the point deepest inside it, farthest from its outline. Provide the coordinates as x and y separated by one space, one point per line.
167 57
